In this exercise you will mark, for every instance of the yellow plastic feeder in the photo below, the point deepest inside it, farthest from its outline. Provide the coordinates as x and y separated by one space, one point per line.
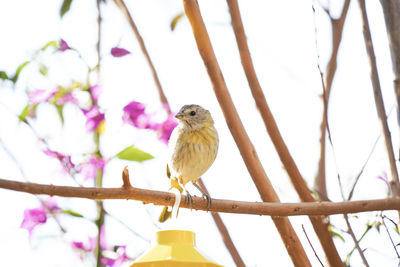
174 248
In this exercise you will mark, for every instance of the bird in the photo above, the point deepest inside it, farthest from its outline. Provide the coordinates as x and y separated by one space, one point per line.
192 147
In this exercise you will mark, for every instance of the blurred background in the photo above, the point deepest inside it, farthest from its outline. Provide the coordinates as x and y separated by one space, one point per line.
287 40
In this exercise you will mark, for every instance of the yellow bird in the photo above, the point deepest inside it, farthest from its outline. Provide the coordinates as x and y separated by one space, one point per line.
193 146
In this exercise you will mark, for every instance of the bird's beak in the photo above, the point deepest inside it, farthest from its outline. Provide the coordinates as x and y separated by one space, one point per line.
179 116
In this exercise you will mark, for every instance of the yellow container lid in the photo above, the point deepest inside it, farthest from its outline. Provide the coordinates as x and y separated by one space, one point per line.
173 248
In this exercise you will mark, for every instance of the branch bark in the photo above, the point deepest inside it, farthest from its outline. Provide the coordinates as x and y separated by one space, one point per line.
391 12
380 106
125 11
296 178
337 32
199 203
249 155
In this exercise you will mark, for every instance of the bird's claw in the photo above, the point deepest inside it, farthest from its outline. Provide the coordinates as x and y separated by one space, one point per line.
189 199
208 198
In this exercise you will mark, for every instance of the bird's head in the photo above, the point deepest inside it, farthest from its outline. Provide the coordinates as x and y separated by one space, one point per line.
194 116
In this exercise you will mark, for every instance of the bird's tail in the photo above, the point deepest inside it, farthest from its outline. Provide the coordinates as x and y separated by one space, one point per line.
166 213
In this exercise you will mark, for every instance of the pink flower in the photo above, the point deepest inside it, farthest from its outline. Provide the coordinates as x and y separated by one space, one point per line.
165 129
95 90
50 204
63 46
119 52
134 114
119 260
87 246
91 242
93 118
65 160
68 97
103 241
32 218
39 95
384 178
89 168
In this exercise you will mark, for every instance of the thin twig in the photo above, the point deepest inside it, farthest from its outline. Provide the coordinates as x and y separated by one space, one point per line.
365 163
337 31
395 186
247 150
125 225
218 205
99 29
356 242
96 136
25 177
312 247
42 140
224 232
390 237
125 11
362 169
14 159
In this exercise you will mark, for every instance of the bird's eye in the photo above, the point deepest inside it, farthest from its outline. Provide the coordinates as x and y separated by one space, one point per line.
192 113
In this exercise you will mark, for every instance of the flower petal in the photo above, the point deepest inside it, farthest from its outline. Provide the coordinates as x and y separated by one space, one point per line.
68 97
63 46
65 160
119 52
32 218
95 90
134 114
93 118
165 129
40 95
89 168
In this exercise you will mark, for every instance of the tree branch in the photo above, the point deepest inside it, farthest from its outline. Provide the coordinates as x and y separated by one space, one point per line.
125 11
391 13
249 155
296 178
395 186
199 203
337 31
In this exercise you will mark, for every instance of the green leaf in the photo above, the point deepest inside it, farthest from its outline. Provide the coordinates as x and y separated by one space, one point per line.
134 154
27 111
50 44
60 112
24 113
18 71
3 75
396 228
175 20
43 70
333 233
72 213
338 235
65 7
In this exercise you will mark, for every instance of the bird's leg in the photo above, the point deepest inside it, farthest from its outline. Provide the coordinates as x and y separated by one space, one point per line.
205 195
189 198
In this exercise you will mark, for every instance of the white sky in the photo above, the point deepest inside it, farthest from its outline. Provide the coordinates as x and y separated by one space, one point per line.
281 36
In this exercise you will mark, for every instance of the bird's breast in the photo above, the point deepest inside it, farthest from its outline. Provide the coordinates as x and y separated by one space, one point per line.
193 153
